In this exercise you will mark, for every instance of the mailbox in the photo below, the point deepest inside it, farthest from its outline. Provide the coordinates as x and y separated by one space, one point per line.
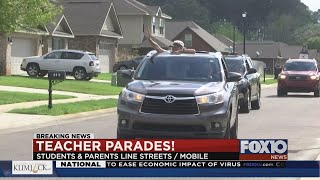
57 75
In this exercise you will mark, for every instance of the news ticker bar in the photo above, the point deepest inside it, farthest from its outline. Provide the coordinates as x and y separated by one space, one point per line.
216 169
170 164
156 156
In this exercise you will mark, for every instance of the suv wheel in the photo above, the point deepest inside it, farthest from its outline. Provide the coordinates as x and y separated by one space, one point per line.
234 129
257 103
89 78
228 129
245 107
33 70
317 93
281 92
80 74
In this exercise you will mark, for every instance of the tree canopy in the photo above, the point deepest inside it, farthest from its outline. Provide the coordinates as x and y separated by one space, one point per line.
266 19
26 14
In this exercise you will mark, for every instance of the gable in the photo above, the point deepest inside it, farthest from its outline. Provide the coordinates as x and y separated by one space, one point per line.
108 24
111 25
63 28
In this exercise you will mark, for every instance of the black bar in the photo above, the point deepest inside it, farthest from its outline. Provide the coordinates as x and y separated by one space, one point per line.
196 164
50 94
136 156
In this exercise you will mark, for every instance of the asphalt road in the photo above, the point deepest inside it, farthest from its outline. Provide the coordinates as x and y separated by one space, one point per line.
295 118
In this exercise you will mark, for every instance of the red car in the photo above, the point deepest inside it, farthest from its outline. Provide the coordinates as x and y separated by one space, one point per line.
299 75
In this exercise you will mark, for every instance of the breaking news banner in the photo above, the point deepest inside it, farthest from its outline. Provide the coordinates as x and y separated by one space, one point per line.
104 149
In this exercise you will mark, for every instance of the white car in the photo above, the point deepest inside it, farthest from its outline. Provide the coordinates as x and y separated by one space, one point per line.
82 65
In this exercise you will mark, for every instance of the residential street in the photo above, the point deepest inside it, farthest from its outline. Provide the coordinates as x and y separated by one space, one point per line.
294 117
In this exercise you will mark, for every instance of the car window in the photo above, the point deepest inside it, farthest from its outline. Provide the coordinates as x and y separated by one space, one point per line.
180 69
300 66
93 57
53 55
71 55
236 65
225 67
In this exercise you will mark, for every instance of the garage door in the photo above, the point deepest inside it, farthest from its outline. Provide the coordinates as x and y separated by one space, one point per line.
105 51
21 48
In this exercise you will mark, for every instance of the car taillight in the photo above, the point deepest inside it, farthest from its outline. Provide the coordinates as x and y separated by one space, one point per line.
91 63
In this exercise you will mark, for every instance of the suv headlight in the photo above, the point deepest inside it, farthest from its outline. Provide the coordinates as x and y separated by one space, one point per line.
314 77
215 98
131 96
282 76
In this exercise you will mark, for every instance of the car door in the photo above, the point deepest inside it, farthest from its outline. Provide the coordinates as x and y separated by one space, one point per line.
50 61
69 60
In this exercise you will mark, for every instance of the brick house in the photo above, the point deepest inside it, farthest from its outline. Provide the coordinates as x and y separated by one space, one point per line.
59 34
96 28
194 36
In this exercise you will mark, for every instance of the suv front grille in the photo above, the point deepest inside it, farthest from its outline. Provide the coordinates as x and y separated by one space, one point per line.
179 107
298 78
169 127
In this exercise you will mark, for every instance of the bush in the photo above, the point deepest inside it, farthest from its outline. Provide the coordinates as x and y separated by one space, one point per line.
125 54
313 43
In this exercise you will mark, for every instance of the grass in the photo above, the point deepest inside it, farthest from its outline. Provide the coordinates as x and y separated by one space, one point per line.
67 85
104 76
269 81
69 108
20 97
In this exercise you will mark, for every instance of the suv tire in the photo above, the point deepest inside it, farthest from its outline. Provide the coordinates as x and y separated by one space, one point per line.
80 73
234 129
281 92
245 107
317 93
33 70
256 105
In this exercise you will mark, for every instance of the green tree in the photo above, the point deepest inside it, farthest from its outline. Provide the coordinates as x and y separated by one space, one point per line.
226 29
314 43
26 14
303 34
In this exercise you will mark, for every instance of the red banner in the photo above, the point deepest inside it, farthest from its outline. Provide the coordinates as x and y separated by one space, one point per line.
105 145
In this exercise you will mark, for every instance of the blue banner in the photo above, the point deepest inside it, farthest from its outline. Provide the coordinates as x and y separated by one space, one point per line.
292 169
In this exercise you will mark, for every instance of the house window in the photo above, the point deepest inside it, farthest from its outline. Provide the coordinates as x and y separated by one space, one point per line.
188 40
153 24
161 24
57 44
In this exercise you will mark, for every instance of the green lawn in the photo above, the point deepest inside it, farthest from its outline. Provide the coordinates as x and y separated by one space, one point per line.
19 97
68 85
104 76
269 81
69 108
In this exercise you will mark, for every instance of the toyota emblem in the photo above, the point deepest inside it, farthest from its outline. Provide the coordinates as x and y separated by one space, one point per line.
169 99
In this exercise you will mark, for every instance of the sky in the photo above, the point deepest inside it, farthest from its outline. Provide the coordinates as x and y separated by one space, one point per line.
314 5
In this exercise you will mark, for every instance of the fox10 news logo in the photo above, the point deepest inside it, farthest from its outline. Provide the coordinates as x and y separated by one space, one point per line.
264 149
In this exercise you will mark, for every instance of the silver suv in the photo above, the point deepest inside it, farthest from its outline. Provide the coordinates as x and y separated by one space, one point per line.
82 65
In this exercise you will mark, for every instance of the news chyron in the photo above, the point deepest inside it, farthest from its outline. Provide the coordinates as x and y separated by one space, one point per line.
264 149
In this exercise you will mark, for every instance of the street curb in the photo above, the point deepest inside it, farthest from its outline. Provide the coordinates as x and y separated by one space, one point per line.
268 86
63 119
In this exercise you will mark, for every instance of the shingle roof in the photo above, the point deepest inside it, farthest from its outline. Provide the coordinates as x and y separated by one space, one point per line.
86 17
228 42
134 7
163 42
271 49
175 28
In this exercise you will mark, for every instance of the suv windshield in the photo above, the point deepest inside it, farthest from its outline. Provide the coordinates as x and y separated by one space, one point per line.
180 69
300 66
235 65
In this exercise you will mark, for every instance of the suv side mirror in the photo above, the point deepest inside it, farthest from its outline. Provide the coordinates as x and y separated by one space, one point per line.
128 73
234 77
252 71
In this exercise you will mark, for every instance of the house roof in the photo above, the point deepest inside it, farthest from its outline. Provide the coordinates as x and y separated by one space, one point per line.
228 42
134 7
87 17
173 29
163 42
272 49
60 21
